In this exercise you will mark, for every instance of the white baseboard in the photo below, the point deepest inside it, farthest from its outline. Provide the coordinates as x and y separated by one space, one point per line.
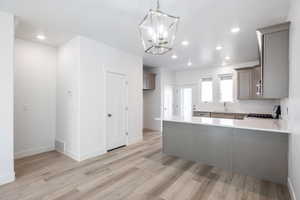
93 154
291 189
7 178
84 157
34 151
71 155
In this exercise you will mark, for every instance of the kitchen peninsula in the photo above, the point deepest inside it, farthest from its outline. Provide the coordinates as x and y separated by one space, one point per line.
255 147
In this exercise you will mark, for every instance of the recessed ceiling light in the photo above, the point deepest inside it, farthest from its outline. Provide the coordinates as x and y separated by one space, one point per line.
41 37
174 56
219 47
189 63
185 43
227 58
235 30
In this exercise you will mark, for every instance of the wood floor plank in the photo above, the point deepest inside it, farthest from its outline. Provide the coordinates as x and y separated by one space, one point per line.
137 172
220 189
208 182
183 188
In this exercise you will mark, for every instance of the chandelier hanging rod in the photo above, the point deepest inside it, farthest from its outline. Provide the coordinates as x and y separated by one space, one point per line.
157 5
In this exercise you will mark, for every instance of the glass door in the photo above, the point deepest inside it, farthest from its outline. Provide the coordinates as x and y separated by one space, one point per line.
186 102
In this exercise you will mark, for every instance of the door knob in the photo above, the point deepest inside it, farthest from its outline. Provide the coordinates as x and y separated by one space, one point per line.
109 115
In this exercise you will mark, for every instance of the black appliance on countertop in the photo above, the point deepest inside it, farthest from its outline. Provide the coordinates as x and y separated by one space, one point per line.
263 116
275 114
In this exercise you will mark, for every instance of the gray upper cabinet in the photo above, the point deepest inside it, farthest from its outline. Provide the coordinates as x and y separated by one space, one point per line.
274 59
248 80
244 80
148 81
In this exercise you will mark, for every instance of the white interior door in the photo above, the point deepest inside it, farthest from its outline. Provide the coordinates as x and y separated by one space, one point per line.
116 110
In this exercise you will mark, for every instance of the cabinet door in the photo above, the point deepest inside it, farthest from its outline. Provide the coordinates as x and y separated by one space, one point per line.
244 84
223 115
201 114
276 66
239 116
151 81
256 80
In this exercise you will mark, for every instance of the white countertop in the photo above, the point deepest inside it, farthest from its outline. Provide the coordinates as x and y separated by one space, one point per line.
271 125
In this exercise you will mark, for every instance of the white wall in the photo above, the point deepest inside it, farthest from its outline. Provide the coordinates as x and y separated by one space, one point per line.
169 77
35 98
96 60
192 77
67 97
152 102
168 84
81 115
292 103
7 98
154 99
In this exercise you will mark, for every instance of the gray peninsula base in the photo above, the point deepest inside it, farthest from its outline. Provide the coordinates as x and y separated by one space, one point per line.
261 154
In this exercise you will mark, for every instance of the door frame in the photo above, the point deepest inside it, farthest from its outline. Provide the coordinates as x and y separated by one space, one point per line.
106 72
177 95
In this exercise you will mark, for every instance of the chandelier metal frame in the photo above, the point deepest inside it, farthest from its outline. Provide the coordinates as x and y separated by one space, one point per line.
159 37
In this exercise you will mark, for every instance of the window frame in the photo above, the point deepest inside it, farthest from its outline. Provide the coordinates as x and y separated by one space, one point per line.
226 77
207 79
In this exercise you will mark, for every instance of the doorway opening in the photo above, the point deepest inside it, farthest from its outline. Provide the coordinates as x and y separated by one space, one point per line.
186 102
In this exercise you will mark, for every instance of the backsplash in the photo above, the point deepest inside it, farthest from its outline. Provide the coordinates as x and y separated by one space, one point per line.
284 108
191 78
253 106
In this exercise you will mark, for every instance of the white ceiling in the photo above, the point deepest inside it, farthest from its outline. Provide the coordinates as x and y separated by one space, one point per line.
204 23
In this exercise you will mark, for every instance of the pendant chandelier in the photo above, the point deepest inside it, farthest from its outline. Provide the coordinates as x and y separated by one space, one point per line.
158 31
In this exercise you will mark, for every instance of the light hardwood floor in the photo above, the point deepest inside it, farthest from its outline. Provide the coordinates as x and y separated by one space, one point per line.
136 172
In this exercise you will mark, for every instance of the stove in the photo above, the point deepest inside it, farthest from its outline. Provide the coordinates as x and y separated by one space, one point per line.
263 116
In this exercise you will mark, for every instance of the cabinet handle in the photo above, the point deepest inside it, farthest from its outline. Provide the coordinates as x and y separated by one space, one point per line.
259 88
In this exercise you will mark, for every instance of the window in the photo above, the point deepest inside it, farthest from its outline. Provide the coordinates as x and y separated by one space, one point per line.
226 88
206 90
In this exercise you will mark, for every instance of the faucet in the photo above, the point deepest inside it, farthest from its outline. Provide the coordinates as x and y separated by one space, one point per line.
225 106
